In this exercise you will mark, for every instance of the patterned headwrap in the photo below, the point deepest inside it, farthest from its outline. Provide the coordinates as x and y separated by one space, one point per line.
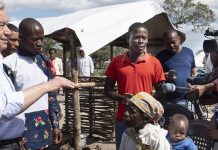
149 105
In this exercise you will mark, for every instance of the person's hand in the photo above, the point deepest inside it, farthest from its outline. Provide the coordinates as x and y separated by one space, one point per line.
57 135
201 89
170 76
59 82
198 89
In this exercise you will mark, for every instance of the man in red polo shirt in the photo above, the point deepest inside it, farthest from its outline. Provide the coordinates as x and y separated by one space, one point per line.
134 71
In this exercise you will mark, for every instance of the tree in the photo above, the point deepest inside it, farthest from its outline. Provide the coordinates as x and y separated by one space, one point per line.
49 43
103 54
187 12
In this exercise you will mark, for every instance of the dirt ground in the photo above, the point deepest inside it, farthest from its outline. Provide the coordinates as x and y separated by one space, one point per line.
92 143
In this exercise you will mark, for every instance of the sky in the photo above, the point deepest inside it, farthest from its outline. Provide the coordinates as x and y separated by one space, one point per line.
20 9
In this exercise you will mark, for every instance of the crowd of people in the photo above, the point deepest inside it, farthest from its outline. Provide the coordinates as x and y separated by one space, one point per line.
136 73
29 108
26 117
85 65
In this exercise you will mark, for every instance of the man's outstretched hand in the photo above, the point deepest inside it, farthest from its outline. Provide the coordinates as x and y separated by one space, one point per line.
59 82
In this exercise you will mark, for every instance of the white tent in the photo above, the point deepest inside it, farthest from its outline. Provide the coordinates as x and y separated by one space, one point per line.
95 28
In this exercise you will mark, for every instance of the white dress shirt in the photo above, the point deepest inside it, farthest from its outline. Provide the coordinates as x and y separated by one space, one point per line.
11 102
85 66
27 74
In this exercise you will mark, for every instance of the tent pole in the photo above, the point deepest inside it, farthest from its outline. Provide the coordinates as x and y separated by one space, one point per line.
64 58
65 48
76 102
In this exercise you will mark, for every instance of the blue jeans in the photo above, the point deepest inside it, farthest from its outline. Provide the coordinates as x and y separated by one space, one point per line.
120 127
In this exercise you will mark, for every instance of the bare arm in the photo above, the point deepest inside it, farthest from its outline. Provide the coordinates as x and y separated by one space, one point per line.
32 94
207 93
108 90
201 89
158 86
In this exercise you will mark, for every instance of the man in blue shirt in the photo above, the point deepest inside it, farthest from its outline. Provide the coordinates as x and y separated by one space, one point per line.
181 60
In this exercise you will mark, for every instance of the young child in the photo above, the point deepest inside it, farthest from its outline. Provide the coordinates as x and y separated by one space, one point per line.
177 133
144 133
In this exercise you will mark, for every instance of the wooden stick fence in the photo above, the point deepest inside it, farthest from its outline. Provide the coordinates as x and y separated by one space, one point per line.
97 112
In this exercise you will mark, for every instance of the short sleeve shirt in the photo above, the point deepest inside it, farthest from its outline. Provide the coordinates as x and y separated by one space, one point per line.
134 77
182 63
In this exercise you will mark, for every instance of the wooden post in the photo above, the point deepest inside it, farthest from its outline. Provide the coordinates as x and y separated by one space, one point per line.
75 97
91 114
111 51
67 91
64 58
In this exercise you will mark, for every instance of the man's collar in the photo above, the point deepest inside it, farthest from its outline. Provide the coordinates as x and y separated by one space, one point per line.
25 54
83 56
126 58
180 49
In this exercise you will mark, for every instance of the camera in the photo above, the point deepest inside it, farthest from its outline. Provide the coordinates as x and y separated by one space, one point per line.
210 32
196 80
203 79
211 46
